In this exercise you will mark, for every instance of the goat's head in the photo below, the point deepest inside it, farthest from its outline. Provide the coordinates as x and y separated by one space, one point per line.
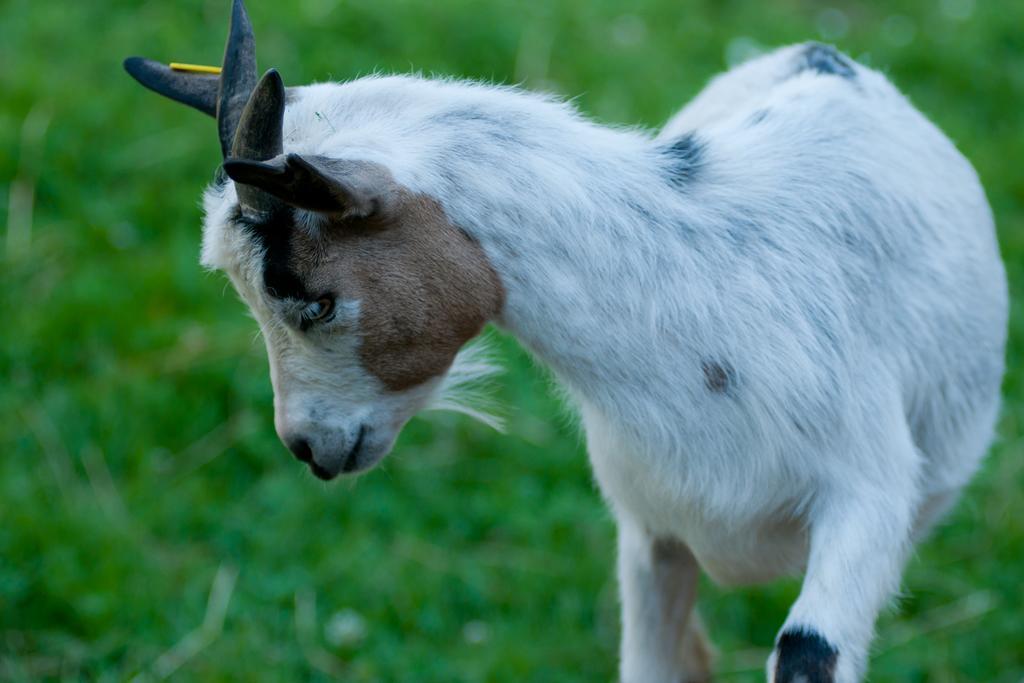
364 290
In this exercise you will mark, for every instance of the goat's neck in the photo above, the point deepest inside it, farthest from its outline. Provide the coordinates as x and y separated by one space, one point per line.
576 227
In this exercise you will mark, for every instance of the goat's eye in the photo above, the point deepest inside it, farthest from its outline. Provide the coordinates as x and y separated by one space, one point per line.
318 310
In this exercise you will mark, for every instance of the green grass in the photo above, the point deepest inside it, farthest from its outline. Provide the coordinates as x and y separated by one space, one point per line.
142 488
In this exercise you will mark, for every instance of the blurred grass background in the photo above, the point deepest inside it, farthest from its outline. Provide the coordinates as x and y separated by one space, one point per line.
152 526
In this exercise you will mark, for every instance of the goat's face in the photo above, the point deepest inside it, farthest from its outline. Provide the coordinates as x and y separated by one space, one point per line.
363 305
363 289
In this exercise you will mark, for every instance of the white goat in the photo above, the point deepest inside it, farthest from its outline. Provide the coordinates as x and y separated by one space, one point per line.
783 318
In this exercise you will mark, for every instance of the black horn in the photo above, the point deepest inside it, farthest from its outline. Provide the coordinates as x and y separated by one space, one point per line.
222 96
249 115
237 77
259 137
197 90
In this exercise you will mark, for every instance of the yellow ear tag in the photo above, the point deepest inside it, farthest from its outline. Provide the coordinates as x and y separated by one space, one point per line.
195 68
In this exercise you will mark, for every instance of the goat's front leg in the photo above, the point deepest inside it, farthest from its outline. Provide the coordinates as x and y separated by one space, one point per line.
859 540
662 639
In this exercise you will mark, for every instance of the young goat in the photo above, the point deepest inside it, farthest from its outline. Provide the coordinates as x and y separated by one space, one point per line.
783 318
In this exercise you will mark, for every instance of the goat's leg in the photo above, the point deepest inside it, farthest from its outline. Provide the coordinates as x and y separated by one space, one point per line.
662 638
859 540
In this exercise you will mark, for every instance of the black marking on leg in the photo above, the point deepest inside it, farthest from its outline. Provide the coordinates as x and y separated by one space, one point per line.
685 156
805 657
667 550
826 60
719 376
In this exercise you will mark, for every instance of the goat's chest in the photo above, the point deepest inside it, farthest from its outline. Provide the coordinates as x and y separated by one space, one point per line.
721 506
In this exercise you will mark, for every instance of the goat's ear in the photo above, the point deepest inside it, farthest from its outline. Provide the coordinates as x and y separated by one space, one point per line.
351 189
198 91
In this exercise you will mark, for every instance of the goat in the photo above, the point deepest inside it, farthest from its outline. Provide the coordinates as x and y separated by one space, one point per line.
782 318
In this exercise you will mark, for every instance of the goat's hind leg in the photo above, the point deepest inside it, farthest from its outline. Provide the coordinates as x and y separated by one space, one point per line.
662 638
860 536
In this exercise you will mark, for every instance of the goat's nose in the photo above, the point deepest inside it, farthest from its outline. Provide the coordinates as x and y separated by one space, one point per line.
300 447
328 454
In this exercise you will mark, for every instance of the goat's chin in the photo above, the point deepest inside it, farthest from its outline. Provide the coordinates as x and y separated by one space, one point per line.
373 451
370 458
373 445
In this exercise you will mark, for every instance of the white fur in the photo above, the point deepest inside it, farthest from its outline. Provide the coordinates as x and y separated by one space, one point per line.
832 250
465 387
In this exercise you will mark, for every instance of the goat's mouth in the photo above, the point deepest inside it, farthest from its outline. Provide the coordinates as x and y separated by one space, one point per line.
322 472
354 460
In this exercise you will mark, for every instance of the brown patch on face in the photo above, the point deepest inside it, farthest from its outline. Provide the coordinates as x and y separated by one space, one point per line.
425 287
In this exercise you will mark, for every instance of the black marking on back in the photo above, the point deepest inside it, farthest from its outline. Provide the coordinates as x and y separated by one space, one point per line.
827 60
685 156
757 117
502 129
719 376
275 237
805 657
